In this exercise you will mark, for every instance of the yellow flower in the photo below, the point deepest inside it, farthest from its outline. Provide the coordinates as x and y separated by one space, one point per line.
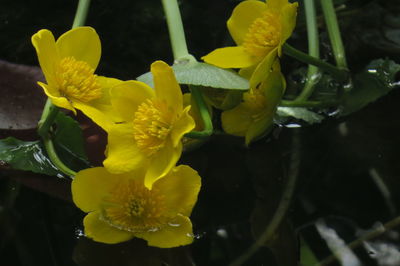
152 126
68 65
120 207
254 116
259 29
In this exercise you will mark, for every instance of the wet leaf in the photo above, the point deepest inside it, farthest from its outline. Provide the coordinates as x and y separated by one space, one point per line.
25 155
300 113
375 81
201 74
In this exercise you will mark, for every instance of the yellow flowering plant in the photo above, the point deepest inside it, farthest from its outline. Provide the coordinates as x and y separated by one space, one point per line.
140 192
120 207
152 126
259 29
253 117
68 65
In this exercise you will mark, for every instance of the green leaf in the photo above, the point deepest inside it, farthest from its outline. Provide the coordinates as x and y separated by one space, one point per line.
26 155
201 74
374 82
300 113
69 142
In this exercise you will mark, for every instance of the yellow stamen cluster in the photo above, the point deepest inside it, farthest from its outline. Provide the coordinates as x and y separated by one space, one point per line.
132 207
151 125
76 81
263 34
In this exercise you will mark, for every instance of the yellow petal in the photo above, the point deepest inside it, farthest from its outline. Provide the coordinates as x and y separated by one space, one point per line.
247 72
231 57
128 95
263 69
276 5
177 233
45 46
258 129
273 89
123 155
180 187
101 110
57 100
166 86
101 231
162 162
288 20
237 120
90 186
82 43
184 125
242 17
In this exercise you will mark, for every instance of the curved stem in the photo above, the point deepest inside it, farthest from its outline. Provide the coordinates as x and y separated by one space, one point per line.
339 73
204 113
175 28
313 50
334 32
51 152
283 206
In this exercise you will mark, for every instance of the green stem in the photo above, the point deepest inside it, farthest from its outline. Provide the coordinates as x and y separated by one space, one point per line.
338 73
180 51
48 116
176 31
81 13
334 33
313 50
296 103
283 206
50 111
48 144
204 113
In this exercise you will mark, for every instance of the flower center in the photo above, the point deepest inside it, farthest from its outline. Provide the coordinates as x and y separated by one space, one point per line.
152 123
76 80
263 34
132 207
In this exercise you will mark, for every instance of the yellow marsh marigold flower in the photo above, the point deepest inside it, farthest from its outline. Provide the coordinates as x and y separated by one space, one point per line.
120 207
254 116
152 126
68 65
259 29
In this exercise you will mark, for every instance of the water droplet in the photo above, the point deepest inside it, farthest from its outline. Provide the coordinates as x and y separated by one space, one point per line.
221 232
79 233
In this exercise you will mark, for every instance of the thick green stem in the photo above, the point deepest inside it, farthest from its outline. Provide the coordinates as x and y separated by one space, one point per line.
50 111
51 152
176 31
313 74
338 73
48 116
204 113
180 51
81 13
334 32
